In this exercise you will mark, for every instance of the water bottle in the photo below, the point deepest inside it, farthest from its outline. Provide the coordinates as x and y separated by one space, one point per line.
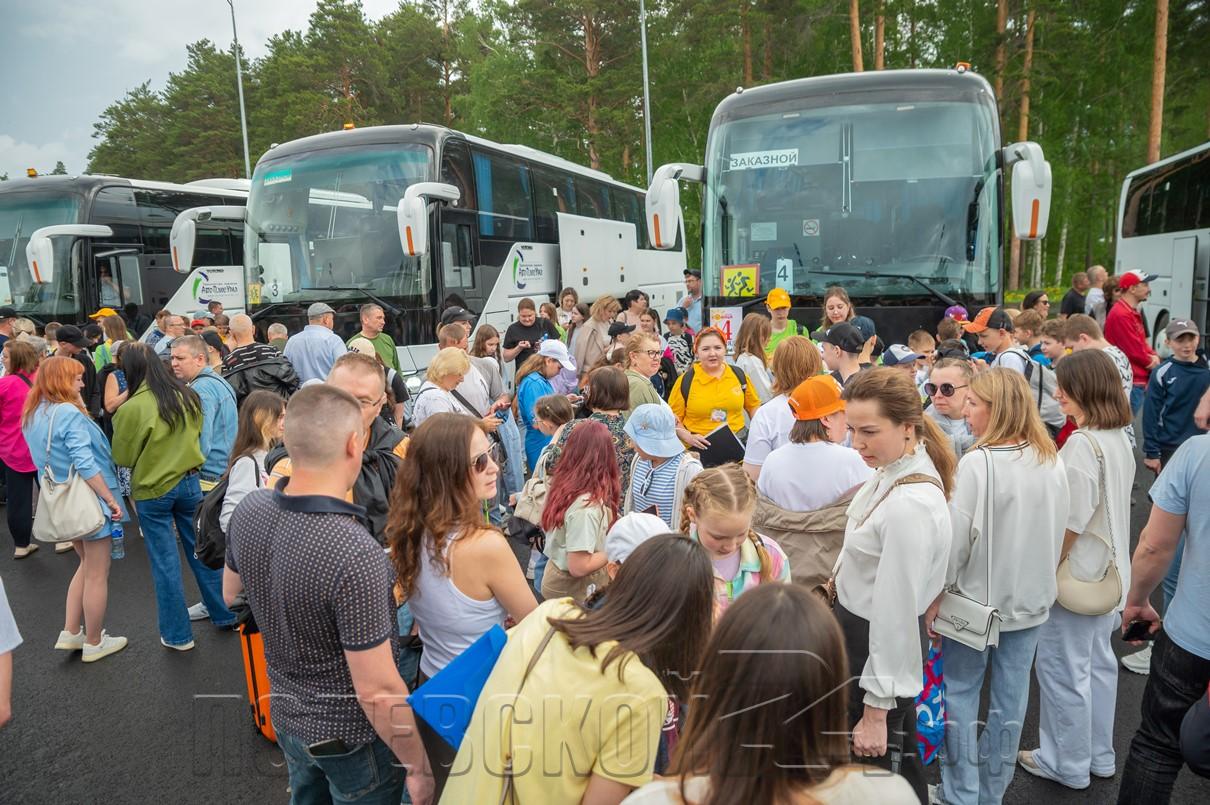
117 548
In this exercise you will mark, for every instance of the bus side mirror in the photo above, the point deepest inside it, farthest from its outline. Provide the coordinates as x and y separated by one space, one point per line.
663 202
40 252
183 237
412 214
1031 189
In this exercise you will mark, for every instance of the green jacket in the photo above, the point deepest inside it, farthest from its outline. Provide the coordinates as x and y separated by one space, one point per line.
384 345
641 391
158 455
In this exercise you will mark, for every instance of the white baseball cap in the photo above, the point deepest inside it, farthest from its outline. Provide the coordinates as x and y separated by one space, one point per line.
630 532
553 348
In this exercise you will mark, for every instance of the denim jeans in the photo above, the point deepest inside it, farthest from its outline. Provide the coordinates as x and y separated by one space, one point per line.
978 766
156 519
1136 398
368 775
1178 678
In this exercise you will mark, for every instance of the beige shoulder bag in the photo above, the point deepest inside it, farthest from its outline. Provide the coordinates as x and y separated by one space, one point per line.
1102 596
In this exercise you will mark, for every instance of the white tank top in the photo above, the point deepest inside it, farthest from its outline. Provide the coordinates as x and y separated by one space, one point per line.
448 618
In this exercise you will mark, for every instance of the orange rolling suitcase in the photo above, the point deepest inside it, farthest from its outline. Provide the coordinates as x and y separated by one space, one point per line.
256 674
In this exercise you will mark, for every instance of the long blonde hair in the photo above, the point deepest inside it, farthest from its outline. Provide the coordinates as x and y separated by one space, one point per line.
1014 414
725 489
754 333
899 401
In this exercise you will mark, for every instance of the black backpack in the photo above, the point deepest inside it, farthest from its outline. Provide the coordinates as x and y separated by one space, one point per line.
210 546
687 380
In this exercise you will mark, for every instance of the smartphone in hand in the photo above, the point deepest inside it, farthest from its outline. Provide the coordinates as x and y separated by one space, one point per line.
1139 630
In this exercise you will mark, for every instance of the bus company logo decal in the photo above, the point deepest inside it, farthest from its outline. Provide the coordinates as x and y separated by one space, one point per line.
205 291
784 158
525 272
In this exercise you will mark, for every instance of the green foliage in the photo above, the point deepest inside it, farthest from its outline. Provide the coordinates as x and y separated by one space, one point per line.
566 78
60 169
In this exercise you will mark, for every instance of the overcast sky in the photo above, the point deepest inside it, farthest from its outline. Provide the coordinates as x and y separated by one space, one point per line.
63 61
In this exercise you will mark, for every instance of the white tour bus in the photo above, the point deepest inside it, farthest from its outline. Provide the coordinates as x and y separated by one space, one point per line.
70 245
1164 229
418 218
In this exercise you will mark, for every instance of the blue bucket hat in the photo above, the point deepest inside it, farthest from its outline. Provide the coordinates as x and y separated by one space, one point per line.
652 426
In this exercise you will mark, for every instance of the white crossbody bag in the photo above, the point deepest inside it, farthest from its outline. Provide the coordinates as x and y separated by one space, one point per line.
68 510
972 622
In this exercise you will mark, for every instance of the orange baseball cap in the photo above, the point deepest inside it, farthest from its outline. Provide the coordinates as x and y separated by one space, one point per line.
989 318
777 298
816 397
103 312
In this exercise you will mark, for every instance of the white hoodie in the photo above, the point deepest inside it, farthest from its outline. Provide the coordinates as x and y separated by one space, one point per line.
1028 516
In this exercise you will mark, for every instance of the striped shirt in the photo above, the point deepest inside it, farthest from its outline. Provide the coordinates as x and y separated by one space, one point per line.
655 487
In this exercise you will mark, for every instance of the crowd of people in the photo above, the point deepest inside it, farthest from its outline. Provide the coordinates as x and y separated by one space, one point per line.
726 567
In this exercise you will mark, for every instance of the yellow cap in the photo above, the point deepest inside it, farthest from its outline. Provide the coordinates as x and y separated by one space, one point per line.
103 312
778 298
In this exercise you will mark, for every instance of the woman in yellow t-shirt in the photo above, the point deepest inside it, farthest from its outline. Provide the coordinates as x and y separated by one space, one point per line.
578 697
713 394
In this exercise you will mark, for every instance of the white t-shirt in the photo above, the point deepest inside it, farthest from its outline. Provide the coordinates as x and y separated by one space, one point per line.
758 375
1011 359
432 399
806 477
770 429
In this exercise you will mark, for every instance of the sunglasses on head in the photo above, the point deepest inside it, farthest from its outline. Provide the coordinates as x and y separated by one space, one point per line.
946 389
479 463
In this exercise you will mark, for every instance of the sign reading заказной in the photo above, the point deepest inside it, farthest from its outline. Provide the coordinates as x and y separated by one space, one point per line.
785 158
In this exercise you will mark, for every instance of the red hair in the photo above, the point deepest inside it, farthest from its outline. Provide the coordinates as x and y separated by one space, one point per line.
54 383
586 467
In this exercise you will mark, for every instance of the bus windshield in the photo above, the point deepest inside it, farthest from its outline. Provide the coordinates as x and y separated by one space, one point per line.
322 225
882 198
22 213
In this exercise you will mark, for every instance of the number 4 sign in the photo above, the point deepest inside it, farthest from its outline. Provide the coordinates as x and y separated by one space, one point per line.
727 319
784 274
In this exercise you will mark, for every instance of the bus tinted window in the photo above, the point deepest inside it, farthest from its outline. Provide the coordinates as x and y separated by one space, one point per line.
456 170
115 207
628 207
592 199
1174 198
553 193
504 198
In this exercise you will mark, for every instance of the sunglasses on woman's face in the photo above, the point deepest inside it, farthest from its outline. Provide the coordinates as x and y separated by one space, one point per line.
946 389
479 462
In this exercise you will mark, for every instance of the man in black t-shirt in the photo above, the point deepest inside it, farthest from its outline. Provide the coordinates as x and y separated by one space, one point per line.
523 336
1073 300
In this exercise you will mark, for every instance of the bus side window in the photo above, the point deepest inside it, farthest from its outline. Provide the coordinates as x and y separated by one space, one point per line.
505 208
592 199
628 207
129 279
456 170
553 194
115 207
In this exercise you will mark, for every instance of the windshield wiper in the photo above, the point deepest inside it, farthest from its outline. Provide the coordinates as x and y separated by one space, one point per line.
869 275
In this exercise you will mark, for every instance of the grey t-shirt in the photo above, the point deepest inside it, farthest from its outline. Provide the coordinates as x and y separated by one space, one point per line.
10 638
318 585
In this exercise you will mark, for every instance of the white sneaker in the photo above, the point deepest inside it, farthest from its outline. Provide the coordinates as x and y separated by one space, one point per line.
62 547
1138 662
70 642
198 612
1026 760
181 647
108 645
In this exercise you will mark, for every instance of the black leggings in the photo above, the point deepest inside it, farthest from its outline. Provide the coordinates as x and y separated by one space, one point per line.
20 504
901 757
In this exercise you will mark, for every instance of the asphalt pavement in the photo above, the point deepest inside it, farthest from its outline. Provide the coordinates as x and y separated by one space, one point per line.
154 725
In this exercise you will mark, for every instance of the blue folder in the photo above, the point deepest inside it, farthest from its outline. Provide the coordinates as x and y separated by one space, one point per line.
447 701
